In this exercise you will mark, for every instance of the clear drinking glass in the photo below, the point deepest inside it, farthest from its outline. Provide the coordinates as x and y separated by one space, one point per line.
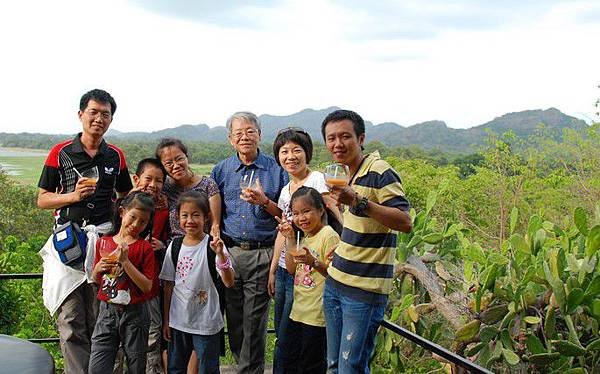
337 174
92 176
249 180
109 252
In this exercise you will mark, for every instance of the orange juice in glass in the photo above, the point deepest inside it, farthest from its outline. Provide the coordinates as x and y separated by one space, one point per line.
336 181
90 182
108 250
336 174
91 177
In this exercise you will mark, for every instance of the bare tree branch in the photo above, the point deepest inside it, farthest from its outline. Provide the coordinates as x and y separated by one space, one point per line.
452 312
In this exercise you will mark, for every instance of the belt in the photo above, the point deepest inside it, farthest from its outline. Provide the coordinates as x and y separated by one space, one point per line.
245 245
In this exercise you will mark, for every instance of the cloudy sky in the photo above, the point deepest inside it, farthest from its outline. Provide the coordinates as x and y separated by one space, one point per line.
172 62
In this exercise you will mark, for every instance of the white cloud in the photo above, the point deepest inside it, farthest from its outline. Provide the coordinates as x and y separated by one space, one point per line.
165 69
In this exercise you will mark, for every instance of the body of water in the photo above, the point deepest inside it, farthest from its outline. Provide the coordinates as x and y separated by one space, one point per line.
17 152
24 165
10 169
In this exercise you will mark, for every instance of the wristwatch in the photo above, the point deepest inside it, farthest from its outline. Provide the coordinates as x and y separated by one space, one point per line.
362 204
316 263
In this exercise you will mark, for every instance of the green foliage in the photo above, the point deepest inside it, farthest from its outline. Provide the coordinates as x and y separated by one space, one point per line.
19 216
23 231
514 245
511 236
534 303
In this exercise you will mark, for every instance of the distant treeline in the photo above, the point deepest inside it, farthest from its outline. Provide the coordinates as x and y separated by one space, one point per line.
213 152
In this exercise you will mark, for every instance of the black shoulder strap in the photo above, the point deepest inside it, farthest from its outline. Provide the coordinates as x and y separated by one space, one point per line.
210 254
175 249
212 268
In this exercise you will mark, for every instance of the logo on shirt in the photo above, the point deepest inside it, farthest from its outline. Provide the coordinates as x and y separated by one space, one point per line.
108 171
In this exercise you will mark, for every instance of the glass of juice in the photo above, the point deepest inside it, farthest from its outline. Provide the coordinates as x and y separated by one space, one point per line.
109 251
336 174
91 176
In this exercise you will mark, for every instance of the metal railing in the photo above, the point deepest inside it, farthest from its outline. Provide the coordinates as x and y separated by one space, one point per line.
450 356
430 346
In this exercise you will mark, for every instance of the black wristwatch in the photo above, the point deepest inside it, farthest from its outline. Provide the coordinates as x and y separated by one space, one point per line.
362 205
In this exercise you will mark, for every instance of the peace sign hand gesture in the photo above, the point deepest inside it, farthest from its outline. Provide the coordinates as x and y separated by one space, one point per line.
285 228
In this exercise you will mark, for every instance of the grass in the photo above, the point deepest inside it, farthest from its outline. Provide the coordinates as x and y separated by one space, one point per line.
23 169
26 169
202 169
269 348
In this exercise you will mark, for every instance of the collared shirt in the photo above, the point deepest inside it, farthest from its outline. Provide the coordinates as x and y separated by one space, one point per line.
241 220
363 263
59 176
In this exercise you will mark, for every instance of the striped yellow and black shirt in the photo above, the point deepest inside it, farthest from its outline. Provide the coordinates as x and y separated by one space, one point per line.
363 263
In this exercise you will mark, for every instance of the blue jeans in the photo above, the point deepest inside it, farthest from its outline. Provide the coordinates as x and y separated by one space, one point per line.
207 349
351 329
284 297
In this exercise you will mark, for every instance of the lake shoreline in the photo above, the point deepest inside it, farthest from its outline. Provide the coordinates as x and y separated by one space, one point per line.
22 152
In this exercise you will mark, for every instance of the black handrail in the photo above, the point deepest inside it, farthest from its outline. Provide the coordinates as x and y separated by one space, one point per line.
435 348
417 339
44 340
21 276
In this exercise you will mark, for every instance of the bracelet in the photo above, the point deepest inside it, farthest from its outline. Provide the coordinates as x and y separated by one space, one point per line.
225 265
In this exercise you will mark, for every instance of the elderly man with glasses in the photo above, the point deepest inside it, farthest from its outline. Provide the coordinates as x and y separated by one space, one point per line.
249 232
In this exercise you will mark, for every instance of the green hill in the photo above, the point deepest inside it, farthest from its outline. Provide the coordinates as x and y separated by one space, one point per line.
427 135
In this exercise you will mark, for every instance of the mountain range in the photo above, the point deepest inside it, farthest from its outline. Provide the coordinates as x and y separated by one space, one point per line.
428 135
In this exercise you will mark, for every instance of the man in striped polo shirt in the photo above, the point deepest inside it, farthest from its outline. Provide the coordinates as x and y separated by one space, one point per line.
361 271
68 291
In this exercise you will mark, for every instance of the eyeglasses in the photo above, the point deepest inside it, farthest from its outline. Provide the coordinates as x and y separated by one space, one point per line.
250 132
170 164
292 128
94 113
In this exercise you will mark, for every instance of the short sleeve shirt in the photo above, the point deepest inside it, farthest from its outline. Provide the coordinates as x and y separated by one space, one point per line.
316 180
363 263
241 220
194 307
309 283
59 176
118 288
172 191
159 231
